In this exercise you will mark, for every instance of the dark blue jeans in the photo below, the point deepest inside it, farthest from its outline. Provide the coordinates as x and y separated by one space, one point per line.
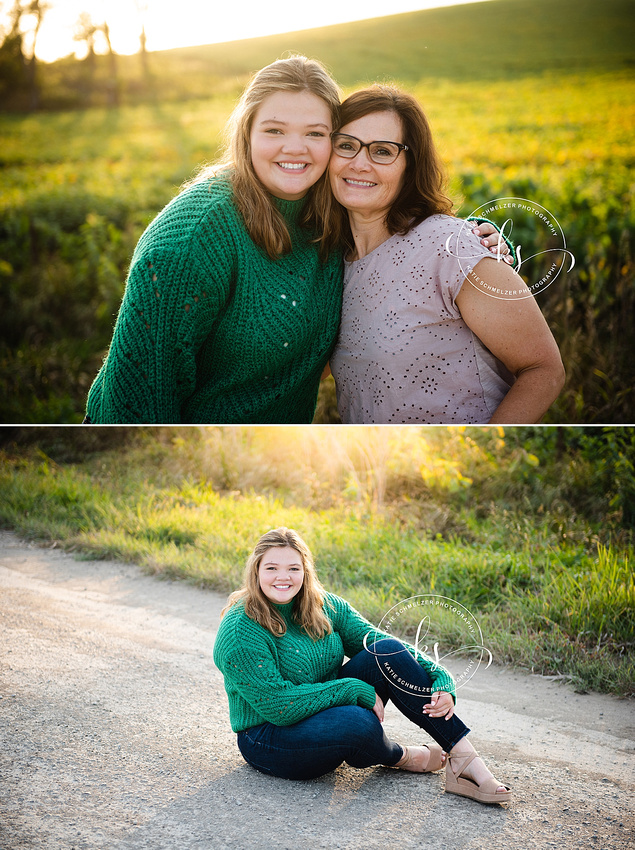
348 733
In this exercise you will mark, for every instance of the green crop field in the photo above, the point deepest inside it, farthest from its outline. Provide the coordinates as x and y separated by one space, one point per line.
526 99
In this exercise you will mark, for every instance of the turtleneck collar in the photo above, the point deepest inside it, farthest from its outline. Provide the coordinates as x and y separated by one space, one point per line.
290 210
285 609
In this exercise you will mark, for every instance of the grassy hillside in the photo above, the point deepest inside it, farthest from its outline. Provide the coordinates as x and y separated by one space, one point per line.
543 109
506 39
482 41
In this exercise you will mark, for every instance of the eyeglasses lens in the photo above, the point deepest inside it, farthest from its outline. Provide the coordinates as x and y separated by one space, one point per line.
383 152
379 152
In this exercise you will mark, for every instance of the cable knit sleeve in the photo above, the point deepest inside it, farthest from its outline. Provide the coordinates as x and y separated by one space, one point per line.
179 279
353 628
258 691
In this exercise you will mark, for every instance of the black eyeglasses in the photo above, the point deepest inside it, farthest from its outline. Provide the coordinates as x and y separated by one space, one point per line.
383 153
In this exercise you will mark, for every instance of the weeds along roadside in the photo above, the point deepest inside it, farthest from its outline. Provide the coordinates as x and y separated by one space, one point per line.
526 534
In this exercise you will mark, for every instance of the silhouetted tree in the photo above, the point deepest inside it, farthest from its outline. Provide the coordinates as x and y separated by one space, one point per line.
35 9
113 80
84 31
142 8
13 78
18 70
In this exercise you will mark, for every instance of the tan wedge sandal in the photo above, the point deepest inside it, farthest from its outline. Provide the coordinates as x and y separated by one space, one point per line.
412 756
485 792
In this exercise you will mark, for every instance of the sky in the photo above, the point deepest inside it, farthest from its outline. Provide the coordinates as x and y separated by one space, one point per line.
183 23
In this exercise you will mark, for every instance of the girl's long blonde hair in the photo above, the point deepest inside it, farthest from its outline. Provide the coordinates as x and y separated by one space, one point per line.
264 223
308 609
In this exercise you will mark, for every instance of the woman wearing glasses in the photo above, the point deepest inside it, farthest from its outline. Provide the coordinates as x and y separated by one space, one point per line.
434 329
232 304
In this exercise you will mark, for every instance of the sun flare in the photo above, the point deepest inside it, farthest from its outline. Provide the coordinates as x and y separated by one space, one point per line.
169 24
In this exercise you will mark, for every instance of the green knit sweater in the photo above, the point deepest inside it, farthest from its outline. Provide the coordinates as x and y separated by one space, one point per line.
211 330
285 679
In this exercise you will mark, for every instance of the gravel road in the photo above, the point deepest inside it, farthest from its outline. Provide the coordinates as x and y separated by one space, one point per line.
115 734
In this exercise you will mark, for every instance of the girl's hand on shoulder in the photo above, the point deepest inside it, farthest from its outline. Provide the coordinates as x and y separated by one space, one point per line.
490 238
441 705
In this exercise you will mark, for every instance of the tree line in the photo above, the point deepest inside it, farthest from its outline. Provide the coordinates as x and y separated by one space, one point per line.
20 69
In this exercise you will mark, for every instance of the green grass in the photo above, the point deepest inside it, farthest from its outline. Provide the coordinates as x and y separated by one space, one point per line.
552 589
526 99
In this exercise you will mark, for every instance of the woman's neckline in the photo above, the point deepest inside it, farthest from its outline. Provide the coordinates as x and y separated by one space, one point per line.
371 252
371 231
395 236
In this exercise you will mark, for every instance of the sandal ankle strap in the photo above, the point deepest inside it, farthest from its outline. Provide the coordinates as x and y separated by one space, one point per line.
469 757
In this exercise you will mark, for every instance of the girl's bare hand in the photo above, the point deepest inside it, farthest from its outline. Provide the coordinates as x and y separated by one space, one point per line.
441 705
378 709
490 238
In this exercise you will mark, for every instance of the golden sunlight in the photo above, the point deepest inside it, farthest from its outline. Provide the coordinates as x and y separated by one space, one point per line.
169 24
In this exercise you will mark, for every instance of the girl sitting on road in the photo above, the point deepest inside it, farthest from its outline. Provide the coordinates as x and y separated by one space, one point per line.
300 711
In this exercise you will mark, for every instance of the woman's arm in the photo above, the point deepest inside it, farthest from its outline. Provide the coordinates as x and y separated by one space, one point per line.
515 331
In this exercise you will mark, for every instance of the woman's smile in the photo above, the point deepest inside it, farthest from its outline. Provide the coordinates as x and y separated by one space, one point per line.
352 182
